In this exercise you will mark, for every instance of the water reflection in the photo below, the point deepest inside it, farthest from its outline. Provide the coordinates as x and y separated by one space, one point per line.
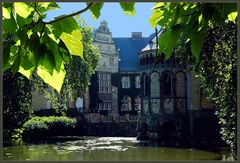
104 148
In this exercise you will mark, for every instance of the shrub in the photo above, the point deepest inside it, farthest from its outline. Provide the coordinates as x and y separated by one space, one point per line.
43 127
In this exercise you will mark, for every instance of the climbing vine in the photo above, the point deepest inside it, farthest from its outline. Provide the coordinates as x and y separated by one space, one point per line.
216 70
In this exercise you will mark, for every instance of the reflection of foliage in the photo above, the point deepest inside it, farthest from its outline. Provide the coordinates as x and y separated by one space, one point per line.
217 72
17 99
79 71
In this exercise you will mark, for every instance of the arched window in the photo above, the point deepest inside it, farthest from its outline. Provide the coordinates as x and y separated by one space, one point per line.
155 85
180 84
137 82
79 103
146 85
144 60
167 84
126 103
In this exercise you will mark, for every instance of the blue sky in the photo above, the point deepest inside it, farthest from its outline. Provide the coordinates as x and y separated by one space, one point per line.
120 24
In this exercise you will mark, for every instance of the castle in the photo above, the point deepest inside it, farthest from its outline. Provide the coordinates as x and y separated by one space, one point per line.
167 98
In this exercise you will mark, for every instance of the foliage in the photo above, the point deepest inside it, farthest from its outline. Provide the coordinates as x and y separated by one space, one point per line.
17 99
30 44
79 71
217 72
42 127
192 19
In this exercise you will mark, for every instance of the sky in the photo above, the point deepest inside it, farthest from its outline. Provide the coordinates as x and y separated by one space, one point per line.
119 23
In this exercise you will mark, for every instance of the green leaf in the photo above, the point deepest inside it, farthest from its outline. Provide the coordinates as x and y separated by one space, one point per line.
66 25
158 5
64 52
69 32
6 13
35 48
55 79
128 8
156 16
53 45
73 42
168 40
197 42
9 24
96 9
26 67
232 16
47 61
23 9
6 56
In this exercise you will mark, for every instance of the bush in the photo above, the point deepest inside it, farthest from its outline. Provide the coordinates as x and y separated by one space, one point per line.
43 127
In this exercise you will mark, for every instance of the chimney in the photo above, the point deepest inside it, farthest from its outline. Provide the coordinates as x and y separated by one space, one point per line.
136 35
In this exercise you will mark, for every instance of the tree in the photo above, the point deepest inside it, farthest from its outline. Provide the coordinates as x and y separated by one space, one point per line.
31 44
78 73
17 99
216 70
190 19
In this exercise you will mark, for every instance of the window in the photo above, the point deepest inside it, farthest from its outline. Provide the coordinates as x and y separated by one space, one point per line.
137 82
167 85
180 84
125 82
146 86
155 89
100 106
104 106
108 106
104 82
137 103
111 59
126 103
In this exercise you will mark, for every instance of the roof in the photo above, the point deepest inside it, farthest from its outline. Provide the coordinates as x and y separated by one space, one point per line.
153 42
129 49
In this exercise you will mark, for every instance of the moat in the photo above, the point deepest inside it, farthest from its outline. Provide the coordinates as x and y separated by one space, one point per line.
106 148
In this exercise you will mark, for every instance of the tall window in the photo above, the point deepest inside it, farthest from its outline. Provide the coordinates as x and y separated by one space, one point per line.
126 103
146 86
137 103
137 82
167 85
125 82
104 82
155 85
180 84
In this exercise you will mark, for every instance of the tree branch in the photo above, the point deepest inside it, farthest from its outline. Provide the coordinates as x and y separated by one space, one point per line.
70 15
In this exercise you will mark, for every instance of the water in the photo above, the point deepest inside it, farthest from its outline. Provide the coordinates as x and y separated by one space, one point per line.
105 148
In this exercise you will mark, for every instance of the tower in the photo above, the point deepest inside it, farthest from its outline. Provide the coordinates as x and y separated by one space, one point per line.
108 64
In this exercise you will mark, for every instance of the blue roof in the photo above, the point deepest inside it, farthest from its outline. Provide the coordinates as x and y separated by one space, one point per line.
129 49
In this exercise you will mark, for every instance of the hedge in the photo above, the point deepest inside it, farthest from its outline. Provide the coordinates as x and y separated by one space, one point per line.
43 127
